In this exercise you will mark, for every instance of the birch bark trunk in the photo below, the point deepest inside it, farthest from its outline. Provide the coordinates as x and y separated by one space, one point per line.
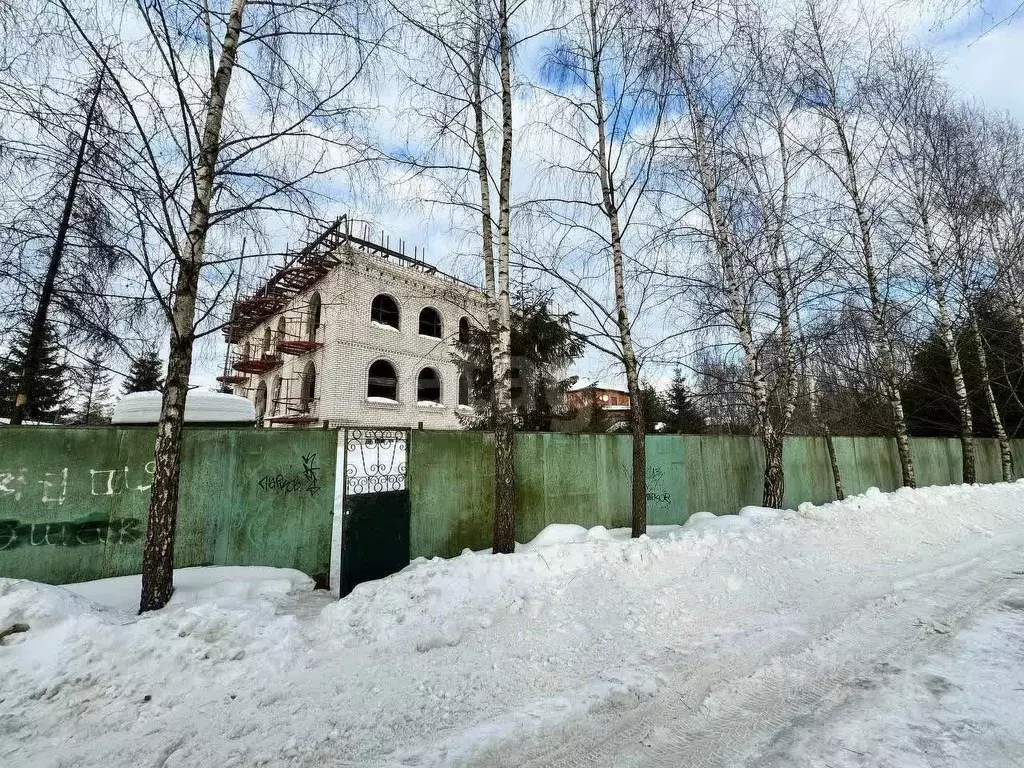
949 342
833 113
1005 455
609 208
504 426
882 342
158 554
737 310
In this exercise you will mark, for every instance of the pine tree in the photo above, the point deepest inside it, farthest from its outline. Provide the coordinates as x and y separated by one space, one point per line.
49 392
94 391
145 374
543 346
682 416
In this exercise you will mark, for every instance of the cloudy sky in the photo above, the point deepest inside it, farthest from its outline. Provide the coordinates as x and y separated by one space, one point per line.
983 51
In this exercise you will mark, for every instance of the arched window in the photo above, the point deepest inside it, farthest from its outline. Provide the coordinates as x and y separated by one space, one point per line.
464 330
268 340
384 310
282 326
463 390
313 324
430 322
308 391
381 381
261 402
428 386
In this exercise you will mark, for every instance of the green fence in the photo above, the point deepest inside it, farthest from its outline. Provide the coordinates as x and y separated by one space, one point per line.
585 479
73 502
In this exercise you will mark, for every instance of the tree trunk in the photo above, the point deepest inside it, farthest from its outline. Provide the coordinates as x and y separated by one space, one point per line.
609 207
504 430
837 477
949 342
738 314
816 418
1005 456
774 477
1012 293
882 342
37 334
158 555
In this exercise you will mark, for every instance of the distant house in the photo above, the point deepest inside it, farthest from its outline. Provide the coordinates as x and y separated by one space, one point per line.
584 395
351 332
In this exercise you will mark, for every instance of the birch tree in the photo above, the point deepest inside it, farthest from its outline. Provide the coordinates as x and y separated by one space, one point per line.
238 109
910 105
461 67
604 115
738 165
835 64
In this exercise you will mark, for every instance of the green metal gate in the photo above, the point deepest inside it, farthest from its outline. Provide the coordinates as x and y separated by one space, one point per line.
376 511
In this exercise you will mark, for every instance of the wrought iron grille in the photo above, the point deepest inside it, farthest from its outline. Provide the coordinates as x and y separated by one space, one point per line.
375 460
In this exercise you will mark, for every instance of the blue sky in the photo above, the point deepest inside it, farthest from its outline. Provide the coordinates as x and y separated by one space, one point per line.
983 52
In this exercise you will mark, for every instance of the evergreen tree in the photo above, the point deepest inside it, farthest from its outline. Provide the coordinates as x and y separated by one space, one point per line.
49 392
930 403
681 415
543 346
145 374
94 391
655 410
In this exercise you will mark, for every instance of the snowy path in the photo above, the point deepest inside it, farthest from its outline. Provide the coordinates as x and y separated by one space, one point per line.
886 630
803 688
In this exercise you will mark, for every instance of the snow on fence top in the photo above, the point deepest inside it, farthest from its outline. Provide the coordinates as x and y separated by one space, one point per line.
144 408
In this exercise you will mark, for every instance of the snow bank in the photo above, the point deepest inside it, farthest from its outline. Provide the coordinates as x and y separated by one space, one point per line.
450 660
200 585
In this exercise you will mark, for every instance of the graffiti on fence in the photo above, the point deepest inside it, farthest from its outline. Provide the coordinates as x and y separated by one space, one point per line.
69 533
656 491
51 487
307 482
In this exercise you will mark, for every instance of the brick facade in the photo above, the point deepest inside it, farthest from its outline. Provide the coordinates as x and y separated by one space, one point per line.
348 342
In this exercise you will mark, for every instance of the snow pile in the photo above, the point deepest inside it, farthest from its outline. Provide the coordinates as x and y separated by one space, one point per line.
708 637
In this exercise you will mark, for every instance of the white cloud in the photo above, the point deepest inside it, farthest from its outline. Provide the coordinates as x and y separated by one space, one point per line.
987 68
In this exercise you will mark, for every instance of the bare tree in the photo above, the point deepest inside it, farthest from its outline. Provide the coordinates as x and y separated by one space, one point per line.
603 126
910 104
465 97
212 154
835 64
737 163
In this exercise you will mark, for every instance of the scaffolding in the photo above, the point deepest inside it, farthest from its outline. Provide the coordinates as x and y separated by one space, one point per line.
248 362
295 400
303 269
300 331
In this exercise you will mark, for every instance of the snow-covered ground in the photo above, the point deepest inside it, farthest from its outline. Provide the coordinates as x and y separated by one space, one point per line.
887 630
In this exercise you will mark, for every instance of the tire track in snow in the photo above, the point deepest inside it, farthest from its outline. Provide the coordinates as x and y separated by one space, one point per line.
724 708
